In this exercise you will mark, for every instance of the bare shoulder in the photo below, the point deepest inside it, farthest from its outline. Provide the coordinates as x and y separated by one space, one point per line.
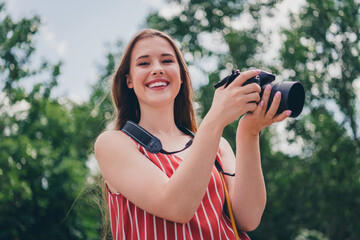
225 146
227 155
109 142
109 136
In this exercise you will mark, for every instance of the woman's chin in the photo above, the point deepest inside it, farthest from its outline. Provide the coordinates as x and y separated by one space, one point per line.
159 101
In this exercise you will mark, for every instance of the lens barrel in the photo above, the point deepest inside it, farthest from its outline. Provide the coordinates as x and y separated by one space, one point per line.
292 97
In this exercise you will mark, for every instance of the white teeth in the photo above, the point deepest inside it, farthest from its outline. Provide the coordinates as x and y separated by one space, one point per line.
157 84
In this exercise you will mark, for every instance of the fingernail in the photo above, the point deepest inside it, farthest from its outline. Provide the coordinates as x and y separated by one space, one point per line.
278 94
261 103
268 87
288 113
258 71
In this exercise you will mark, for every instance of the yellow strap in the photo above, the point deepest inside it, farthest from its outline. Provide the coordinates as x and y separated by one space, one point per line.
229 207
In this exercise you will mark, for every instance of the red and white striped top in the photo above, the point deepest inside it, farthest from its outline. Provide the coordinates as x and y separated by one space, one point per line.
209 222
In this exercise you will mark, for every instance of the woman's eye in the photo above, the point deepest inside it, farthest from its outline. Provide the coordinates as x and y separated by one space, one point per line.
143 64
167 61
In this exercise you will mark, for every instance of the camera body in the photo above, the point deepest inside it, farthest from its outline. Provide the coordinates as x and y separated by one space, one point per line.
262 79
292 93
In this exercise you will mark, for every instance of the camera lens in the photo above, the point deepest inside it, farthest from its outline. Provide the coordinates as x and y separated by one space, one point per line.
296 99
292 97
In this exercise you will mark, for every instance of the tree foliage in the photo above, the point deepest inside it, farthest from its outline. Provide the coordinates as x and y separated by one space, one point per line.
321 50
315 187
311 168
43 147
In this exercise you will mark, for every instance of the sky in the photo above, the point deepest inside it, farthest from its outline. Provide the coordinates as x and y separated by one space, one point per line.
75 32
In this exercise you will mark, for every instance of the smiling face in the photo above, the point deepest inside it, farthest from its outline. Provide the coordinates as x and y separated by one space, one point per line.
154 72
128 77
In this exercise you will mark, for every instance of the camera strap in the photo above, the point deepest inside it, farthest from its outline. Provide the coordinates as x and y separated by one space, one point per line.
153 145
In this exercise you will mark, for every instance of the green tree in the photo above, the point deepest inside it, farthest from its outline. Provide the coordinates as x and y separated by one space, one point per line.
42 162
202 26
317 186
321 50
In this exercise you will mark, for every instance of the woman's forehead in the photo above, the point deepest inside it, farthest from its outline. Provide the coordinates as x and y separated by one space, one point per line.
152 46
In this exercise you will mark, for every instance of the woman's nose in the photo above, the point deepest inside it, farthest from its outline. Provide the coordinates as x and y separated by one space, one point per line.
157 70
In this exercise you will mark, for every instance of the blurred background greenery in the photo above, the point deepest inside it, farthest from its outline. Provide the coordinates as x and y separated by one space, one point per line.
311 164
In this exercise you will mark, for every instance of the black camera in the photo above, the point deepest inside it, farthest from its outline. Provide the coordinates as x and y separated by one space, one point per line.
292 93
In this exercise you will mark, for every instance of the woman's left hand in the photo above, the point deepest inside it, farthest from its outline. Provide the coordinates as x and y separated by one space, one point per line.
254 122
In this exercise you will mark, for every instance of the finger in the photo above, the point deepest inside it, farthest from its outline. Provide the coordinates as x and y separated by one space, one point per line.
250 107
259 108
250 97
266 97
282 116
274 105
253 87
243 77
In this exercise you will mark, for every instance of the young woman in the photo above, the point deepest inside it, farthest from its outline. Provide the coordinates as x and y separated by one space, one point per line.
170 196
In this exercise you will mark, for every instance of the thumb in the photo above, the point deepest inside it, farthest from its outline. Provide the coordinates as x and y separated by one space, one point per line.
244 76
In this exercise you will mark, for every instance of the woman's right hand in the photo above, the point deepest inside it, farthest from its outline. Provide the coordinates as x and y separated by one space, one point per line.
235 100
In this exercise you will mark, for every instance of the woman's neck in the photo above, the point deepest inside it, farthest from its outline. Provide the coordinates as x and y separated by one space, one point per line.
159 121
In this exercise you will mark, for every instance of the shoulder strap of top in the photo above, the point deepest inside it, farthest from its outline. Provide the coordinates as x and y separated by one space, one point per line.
220 169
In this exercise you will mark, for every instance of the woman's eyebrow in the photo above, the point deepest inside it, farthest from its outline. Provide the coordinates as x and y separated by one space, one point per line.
167 54
143 56
163 55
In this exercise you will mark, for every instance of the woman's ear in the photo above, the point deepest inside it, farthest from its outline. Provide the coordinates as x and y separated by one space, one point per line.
129 81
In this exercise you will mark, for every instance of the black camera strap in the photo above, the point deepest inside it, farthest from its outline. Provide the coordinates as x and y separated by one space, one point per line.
148 141
153 145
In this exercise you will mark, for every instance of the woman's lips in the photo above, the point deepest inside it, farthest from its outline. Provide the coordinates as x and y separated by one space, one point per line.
158 83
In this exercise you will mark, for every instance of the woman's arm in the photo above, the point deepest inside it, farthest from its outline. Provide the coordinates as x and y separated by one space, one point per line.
138 179
247 189
249 195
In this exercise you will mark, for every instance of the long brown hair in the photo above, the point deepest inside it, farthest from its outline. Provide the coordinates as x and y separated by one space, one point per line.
125 101
127 107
